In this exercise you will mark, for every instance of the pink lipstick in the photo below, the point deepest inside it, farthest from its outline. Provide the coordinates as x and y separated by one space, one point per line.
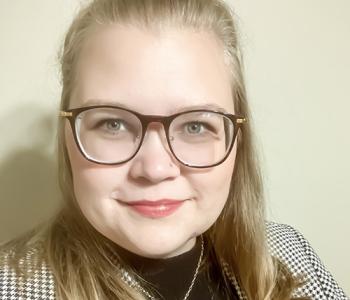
155 209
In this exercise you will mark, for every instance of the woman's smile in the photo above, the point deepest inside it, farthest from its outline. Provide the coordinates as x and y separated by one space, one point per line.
154 208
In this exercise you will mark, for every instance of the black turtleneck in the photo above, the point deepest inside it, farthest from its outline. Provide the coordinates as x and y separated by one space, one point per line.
172 276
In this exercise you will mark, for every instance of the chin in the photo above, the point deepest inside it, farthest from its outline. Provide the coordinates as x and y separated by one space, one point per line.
164 249
152 242
159 248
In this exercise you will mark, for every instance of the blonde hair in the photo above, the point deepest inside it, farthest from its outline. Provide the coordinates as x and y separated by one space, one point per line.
82 267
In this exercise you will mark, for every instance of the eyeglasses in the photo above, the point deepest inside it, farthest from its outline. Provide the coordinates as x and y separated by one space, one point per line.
112 135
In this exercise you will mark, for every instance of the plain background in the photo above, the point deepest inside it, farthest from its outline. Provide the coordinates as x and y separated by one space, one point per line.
297 74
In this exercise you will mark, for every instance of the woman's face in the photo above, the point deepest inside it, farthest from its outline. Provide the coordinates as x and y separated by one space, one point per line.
156 74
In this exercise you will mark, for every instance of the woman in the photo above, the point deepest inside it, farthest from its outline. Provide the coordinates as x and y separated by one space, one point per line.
163 196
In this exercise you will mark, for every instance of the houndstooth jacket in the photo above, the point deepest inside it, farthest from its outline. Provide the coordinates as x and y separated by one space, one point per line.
285 243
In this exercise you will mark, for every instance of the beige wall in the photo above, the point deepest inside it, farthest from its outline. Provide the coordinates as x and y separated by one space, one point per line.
298 77
297 65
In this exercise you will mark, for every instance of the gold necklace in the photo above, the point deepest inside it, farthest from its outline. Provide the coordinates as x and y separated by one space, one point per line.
131 282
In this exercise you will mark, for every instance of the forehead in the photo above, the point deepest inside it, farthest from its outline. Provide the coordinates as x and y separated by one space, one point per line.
152 73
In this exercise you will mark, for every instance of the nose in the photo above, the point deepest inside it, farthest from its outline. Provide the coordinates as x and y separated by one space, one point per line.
154 161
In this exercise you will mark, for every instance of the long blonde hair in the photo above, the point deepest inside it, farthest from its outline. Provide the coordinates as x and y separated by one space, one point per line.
77 254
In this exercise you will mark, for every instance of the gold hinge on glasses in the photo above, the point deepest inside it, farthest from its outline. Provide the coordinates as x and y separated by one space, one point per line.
241 120
65 114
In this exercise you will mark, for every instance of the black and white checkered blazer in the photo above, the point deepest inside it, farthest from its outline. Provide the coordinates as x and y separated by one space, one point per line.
287 244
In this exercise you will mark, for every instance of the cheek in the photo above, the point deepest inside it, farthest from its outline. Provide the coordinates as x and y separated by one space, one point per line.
213 186
92 182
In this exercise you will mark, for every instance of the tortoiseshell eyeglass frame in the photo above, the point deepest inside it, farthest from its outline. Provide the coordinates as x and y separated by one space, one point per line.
145 120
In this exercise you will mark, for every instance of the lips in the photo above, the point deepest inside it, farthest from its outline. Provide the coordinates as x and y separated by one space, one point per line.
155 208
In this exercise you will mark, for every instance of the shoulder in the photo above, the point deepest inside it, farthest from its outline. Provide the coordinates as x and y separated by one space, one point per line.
290 247
25 276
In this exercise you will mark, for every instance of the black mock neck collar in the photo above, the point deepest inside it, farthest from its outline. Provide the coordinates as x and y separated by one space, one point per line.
150 267
172 276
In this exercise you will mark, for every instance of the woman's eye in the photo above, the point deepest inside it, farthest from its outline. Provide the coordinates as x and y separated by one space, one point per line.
194 127
111 125
114 124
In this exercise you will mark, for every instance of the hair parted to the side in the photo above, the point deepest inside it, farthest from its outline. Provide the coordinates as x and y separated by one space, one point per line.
78 254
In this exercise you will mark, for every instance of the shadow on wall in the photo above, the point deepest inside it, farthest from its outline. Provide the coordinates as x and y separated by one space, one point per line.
28 182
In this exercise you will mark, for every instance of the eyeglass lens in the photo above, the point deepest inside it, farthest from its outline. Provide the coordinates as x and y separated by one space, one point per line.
111 135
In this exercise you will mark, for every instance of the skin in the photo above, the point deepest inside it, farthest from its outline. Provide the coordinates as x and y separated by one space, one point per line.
151 74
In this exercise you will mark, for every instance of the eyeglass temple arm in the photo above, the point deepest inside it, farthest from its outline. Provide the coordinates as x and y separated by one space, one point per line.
241 120
65 114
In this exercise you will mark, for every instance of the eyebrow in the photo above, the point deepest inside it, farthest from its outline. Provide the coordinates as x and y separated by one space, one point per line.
210 106
92 102
182 108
